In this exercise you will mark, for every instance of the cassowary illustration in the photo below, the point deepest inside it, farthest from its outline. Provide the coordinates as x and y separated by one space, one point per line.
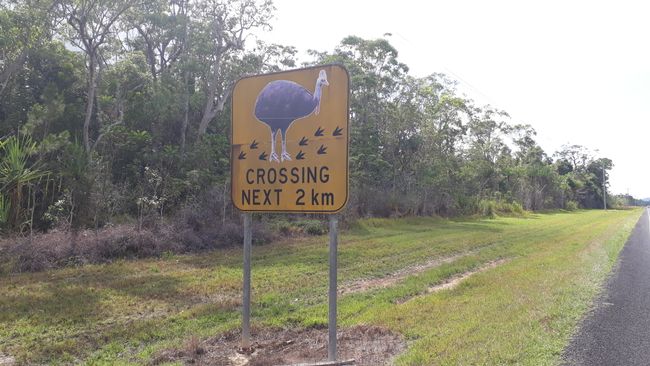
282 102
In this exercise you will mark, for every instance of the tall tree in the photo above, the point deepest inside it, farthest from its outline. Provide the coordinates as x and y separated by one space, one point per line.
24 27
219 33
162 29
91 25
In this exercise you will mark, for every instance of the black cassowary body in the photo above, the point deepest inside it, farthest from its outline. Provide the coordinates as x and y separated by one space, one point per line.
281 102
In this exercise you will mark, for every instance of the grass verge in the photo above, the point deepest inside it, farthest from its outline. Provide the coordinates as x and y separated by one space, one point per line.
522 311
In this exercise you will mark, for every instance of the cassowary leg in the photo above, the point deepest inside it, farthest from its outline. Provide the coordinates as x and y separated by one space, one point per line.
273 156
285 154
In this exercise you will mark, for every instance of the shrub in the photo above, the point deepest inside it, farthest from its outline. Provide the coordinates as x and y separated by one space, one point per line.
572 206
487 208
63 248
377 207
289 227
60 249
285 227
191 240
39 254
491 208
262 234
314 227
231 234
517 208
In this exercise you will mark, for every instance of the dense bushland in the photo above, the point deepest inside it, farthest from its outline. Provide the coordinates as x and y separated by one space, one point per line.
115 120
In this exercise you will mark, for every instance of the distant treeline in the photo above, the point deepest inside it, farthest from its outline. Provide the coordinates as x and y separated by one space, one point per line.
116 111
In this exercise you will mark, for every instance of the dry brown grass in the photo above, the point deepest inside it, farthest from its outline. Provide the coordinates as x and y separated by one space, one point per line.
57 249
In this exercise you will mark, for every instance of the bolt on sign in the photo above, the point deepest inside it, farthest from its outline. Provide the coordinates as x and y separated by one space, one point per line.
289 148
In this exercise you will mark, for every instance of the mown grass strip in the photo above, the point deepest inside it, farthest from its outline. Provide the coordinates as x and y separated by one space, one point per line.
127 311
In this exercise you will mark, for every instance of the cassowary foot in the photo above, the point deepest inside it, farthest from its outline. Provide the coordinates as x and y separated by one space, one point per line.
285 156
274 157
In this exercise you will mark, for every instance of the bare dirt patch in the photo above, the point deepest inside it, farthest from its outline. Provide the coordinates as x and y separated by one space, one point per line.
367 345
454 281
393 278
7 360
225 301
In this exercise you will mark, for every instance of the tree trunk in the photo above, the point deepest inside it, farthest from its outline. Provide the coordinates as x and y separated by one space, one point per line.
98 103
208 112
214 104
186 112
211 110
90 102
10 69
15 207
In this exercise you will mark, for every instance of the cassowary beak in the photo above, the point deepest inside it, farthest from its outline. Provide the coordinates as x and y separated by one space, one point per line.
325 82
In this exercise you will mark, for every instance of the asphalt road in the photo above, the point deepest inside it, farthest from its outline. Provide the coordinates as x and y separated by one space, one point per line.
617 332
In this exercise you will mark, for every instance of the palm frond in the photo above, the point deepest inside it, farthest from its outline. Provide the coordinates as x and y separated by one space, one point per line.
16 170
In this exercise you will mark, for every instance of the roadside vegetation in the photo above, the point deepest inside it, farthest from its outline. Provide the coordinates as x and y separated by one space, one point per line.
535 276
131 126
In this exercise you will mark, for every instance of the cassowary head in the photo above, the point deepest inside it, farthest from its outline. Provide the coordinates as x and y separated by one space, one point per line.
320 83
322 78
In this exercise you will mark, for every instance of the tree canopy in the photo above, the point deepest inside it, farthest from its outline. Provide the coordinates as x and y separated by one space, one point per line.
113 108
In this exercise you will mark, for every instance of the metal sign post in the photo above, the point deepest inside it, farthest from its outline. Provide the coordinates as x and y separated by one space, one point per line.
246 306
331 345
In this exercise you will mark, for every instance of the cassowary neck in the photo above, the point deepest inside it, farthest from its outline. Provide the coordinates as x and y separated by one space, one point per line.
318 91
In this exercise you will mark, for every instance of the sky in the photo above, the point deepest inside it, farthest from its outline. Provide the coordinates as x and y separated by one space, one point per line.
577 71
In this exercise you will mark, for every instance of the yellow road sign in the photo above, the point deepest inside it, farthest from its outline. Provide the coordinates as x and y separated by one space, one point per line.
289 141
